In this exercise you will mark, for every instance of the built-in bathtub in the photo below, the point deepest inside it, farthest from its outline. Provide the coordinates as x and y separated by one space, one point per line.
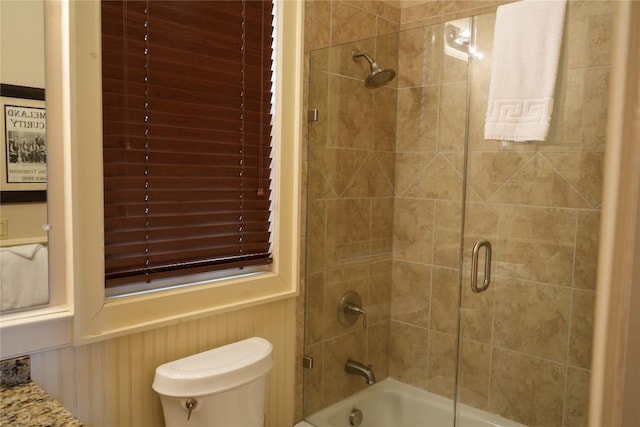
390 403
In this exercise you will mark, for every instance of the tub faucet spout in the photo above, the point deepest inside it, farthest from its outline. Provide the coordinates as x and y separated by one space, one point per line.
356 368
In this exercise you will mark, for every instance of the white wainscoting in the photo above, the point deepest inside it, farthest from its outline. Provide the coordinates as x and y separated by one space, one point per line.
109 383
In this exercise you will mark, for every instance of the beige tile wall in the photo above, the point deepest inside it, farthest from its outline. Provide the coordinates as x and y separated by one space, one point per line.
526 346
350 165
546 200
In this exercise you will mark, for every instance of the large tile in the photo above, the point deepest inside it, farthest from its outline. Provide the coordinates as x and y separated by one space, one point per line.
384 119
532 318
474 374
452 116
582 313
583 170
381 246
410 293
525 389
314 309
348 223
600 32
417 116
389 11
595 108
457 160
538 261
576 34
349 23
490 170
419 56
444 300
446 241
413 230
477 311
317 23
587 243
440 180
316 236
379 300
576 408
442 364
536 244
337 166
408 348
386 27
369 181
350 113
538 183
337 383
481 223
420 11
387 162
408 167
537 225
565 130
318 186
378 349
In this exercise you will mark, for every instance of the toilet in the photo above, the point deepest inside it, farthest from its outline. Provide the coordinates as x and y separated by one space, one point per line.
222 387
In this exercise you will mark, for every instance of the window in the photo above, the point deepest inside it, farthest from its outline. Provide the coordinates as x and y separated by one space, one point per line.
97 317
187 115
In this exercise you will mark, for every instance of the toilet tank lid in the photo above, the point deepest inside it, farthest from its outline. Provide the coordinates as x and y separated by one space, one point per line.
215 370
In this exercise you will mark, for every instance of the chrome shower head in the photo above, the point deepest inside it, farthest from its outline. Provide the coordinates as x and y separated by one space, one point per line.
378 77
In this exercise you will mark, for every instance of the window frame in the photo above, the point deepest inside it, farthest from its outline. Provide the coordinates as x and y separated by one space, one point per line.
97 317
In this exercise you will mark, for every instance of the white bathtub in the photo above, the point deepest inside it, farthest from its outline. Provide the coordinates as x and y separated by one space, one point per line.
390 403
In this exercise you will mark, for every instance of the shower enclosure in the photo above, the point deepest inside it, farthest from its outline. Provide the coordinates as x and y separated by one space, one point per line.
402 186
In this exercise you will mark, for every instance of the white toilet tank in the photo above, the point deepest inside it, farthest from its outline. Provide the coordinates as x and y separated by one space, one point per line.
222 387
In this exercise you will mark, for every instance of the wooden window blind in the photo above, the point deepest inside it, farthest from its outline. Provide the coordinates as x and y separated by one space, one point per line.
187 123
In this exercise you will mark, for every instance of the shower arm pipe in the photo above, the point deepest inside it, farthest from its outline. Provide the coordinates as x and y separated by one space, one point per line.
356 54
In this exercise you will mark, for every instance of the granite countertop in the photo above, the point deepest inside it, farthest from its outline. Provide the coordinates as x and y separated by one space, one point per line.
24 403
29 405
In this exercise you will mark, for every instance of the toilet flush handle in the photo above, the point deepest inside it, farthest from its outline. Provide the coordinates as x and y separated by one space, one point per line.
190 404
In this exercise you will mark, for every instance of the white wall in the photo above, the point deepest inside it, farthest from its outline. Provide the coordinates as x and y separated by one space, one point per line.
22 35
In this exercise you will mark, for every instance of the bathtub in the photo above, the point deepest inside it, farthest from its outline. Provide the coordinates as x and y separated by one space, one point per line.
390 403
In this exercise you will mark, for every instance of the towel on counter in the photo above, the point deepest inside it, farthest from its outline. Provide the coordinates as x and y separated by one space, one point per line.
24 277
25 251
526 52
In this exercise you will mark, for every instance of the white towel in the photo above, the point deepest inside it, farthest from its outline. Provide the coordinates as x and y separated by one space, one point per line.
526 52
24 278
25 251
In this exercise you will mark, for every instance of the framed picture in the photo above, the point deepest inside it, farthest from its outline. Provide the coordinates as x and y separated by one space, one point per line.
23 145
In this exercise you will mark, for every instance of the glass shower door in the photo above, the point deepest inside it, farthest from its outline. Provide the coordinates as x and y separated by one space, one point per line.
525 340
350 207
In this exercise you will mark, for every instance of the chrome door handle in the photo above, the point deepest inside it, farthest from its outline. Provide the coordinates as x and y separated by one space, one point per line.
474 266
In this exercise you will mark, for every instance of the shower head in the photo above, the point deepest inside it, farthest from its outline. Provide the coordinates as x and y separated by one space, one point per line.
378 77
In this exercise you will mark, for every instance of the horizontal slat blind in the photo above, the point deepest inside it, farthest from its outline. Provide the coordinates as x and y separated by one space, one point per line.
187 114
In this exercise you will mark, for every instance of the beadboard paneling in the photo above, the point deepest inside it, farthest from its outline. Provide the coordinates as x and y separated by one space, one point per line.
109 383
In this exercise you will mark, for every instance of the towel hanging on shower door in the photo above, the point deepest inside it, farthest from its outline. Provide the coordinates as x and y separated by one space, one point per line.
526 52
